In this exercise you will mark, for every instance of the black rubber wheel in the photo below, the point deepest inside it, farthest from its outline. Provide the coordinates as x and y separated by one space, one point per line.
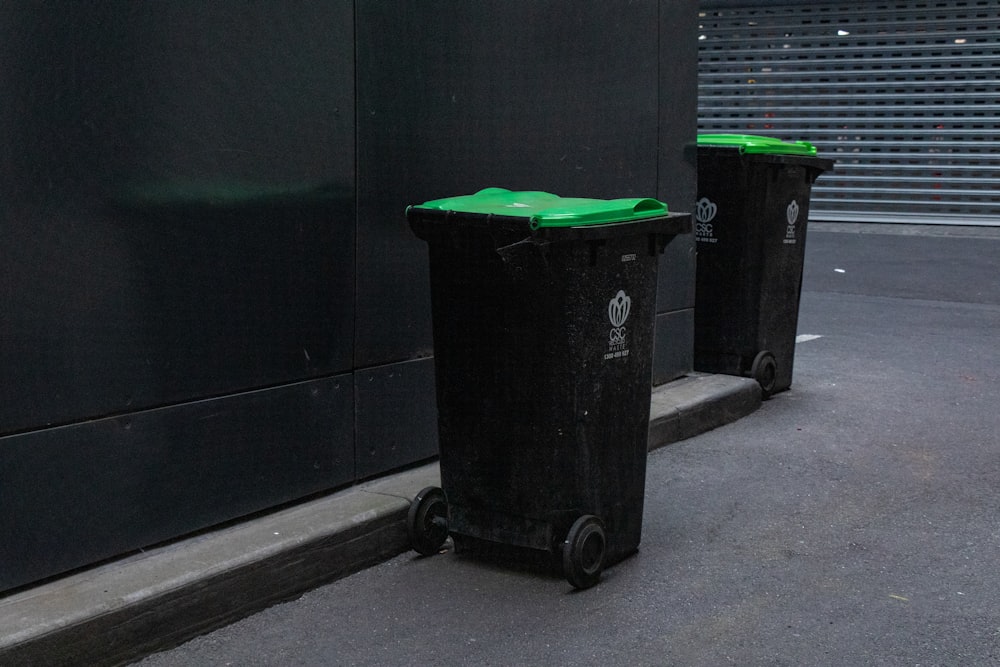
764 370
583 552
427 521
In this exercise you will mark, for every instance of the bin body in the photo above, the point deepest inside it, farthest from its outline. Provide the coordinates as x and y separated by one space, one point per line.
751 220
543 355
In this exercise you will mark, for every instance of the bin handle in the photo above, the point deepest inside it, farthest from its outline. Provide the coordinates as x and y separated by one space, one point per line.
644 205
581 212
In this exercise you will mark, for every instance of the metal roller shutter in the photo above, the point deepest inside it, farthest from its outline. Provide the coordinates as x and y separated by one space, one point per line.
904 95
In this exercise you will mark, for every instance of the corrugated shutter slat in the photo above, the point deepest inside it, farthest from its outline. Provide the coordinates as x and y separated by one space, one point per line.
904 95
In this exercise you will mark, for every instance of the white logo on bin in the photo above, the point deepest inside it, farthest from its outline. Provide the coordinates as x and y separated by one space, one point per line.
793 212
619 308
792 215
704 213
618 311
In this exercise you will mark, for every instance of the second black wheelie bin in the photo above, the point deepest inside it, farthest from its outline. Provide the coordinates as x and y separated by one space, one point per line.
750 226
543 311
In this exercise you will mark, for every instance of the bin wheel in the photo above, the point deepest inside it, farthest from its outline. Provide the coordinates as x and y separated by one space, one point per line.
427 521
764 371
583 552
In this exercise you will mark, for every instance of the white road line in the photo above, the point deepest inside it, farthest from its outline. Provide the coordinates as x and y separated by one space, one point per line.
802 338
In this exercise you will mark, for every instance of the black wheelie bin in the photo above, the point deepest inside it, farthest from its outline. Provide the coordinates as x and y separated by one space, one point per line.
750 226
543 311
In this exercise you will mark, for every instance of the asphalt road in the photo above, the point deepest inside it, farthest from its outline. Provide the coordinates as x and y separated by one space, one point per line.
854 520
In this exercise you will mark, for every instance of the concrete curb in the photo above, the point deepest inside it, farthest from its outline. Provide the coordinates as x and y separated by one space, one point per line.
698 403
121 611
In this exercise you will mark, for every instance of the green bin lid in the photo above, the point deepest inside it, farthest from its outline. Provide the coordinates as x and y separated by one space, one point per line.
756 145
544 209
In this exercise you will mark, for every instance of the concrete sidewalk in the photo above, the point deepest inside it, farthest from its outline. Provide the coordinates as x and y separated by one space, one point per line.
120 611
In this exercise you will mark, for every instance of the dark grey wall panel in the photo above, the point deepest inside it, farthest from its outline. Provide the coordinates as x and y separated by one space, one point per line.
673 349
396 416
81 493
107 315
678 104
676 278
177 216
457 96
677 182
